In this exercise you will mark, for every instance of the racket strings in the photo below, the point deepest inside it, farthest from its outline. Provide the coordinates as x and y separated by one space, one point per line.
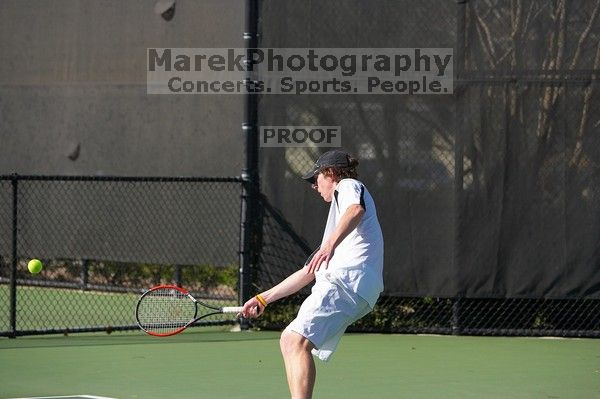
165 310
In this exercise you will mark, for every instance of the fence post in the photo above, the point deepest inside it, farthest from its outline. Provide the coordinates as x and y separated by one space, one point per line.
459 89
13 269
250 179
456 322
177 276
84 274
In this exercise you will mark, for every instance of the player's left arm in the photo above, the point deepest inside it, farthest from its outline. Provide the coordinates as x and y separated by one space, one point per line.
348 222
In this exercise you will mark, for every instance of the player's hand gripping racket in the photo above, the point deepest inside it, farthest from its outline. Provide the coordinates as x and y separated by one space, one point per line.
167 310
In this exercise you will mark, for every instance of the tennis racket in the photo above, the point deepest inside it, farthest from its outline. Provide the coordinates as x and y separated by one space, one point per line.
167 310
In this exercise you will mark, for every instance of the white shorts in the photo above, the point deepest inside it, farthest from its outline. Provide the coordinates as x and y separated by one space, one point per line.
325 314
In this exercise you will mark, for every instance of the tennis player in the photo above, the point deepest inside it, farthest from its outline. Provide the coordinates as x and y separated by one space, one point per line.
347 270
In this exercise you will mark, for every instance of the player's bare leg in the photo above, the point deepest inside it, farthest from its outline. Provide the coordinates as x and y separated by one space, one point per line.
299 364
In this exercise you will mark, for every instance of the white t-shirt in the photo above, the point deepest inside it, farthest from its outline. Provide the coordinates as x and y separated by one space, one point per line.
357 262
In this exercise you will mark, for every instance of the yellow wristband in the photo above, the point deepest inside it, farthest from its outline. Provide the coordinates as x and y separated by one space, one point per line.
262 301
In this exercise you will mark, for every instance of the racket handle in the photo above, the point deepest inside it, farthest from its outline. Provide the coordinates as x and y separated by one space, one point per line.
232 309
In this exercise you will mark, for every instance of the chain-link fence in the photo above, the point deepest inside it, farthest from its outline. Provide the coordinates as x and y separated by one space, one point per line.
488 198
104 240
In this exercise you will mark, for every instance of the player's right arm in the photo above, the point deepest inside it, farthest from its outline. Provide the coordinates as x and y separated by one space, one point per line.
293 283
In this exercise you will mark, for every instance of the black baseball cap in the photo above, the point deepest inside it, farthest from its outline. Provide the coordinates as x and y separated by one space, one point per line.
333 158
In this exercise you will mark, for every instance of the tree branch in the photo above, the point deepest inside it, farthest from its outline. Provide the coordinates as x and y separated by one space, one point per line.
485 38
584 35
587 96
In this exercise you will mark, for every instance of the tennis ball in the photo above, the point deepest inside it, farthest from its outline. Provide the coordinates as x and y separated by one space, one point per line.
34 266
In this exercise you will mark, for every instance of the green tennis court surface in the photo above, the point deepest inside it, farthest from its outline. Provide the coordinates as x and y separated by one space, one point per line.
218 364
66 397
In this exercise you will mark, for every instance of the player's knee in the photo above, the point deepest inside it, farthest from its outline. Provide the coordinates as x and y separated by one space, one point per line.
292 342
286 342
